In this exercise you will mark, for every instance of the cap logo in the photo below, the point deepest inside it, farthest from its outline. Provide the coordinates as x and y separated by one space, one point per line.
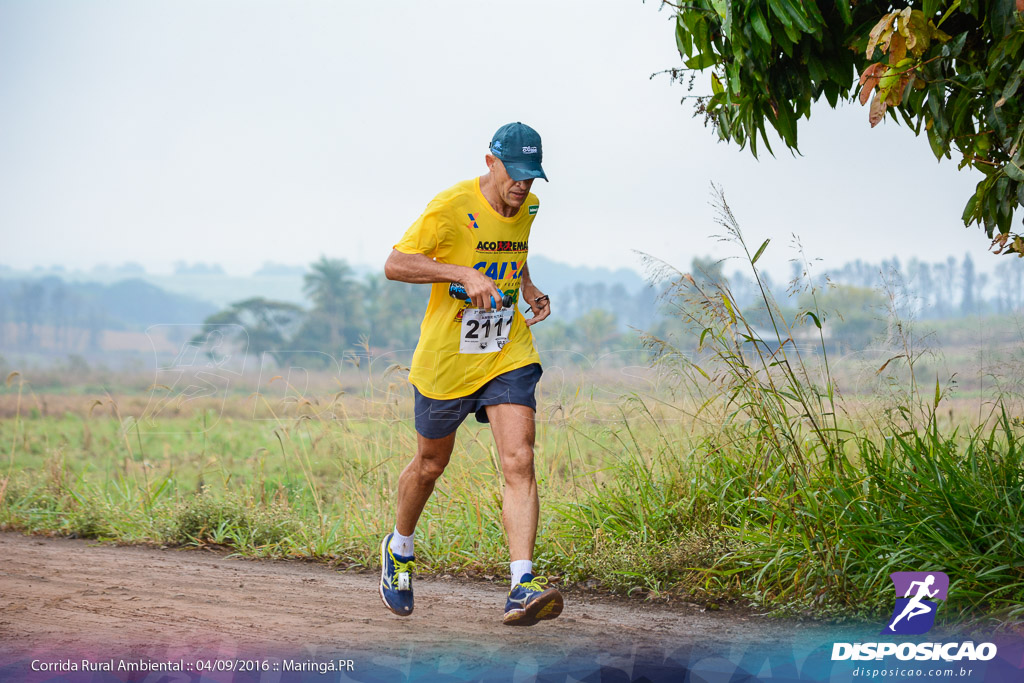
529 150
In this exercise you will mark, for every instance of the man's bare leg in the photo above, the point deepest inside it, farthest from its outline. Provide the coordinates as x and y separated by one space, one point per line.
415 485
514 432
416 482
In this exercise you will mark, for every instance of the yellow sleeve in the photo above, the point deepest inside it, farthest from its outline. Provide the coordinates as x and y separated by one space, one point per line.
431 234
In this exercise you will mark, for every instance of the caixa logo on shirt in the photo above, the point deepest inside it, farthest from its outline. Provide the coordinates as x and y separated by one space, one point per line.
499 270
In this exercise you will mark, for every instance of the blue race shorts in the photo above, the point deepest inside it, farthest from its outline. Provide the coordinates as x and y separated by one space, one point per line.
437 418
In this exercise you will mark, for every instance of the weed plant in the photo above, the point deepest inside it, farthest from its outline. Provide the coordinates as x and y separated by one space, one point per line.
813 511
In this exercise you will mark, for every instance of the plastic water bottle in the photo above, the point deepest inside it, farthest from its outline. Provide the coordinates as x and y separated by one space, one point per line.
457 291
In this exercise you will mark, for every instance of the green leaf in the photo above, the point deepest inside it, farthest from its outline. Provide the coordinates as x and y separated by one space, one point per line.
760 250
1004 207
832 94
969 209
800 18
700 61
728 307
684 42
716 84
935 140
810 314
702 36
786 126
779 10
764 136
990 211
760 26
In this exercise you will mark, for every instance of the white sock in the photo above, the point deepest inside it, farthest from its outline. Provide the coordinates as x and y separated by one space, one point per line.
402 545
519 568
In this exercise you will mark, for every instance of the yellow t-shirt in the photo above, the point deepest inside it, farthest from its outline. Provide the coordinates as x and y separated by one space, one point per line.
460 227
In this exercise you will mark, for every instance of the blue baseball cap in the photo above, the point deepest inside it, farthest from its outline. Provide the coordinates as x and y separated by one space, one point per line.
518 147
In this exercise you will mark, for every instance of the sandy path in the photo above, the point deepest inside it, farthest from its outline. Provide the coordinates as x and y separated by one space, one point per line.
63 597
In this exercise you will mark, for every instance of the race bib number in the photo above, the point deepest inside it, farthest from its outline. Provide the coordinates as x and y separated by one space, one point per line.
485 331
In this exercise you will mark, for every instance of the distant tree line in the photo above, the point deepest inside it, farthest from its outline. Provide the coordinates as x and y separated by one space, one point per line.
346 311
857 301
71 316
943 289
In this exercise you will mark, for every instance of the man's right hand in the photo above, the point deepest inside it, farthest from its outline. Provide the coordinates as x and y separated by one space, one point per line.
481 290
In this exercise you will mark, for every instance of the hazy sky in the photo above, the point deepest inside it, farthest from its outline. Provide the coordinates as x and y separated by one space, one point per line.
243 132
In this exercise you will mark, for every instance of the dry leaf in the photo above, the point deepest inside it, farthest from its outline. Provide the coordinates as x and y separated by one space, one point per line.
869 79
883 26
897 49
877 111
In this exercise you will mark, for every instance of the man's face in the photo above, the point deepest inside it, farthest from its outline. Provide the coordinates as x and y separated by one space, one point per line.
512 192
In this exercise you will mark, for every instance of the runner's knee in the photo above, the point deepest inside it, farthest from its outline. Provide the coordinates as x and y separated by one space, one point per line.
430 467
518 465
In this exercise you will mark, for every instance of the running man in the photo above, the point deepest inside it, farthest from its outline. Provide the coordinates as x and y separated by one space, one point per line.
476 356
915 607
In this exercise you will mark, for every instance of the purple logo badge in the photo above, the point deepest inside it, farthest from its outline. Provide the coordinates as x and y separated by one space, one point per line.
916 593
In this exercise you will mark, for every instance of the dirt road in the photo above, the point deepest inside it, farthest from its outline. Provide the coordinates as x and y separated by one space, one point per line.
63 599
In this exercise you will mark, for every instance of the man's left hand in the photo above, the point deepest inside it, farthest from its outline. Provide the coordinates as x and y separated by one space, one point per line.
539 303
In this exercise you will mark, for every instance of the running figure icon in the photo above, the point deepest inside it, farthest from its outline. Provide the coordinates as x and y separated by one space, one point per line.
915 607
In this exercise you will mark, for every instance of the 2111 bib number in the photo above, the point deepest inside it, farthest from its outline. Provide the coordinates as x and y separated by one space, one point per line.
485 331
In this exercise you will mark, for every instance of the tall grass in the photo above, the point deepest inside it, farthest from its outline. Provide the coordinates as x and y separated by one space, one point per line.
811 511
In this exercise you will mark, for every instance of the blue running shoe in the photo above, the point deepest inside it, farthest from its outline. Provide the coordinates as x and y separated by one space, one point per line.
395 579
529 602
